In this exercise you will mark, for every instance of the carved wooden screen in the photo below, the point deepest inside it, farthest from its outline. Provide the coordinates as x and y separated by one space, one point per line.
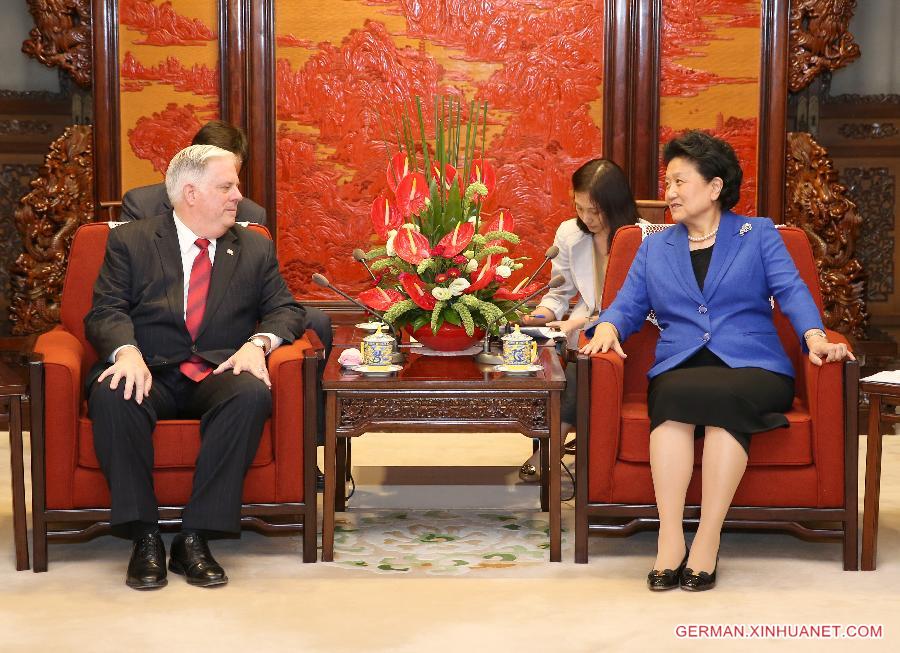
168 81
344 68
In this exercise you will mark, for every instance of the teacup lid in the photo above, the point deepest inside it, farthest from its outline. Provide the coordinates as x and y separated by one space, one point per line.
378 336
517 336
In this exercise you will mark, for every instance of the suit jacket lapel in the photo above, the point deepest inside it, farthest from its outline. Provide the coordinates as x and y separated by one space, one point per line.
227 254
679 259
728 243
170 259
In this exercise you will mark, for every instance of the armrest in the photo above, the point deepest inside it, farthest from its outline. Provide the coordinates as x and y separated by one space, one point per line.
607 388
62 356
824 388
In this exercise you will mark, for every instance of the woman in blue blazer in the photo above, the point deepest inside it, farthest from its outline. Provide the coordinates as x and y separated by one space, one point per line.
720 370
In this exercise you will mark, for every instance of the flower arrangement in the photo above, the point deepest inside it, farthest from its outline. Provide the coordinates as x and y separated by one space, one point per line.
440 258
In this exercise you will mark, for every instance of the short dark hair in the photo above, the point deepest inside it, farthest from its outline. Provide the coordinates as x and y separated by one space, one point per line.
712 157
221 134
608 188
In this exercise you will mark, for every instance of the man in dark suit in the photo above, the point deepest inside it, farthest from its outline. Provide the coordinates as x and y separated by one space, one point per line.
186 307
152 200
148 201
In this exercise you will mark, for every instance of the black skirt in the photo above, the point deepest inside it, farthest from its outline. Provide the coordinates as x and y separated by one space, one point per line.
704 391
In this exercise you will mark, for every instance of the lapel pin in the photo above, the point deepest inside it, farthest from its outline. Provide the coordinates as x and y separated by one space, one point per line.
230 251
744 229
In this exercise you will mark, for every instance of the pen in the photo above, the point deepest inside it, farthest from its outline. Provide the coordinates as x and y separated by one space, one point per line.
538 315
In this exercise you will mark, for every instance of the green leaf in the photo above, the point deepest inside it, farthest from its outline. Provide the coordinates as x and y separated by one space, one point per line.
420 320
451 316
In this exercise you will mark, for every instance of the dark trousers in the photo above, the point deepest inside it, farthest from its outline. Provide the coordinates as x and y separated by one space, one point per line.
321 324
231 409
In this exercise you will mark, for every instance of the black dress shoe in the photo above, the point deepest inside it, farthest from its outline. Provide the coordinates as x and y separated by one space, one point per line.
147 567
191 557
320 480
667 579
691 582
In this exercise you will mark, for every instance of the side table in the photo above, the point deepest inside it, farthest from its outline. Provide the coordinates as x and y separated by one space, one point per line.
13 389
879 395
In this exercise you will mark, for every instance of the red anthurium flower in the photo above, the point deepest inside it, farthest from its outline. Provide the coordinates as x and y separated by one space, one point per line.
417 291
449 174
379 298
438 250
384 217
503 222
481 278
483 172
440 278
517 293
411 246
411 194
453 272
458 239
398 168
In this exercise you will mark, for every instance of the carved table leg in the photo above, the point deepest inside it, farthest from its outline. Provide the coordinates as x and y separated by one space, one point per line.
329 471
555 503
20 528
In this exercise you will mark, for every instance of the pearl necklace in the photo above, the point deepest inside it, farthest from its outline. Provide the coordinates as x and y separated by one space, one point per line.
700 239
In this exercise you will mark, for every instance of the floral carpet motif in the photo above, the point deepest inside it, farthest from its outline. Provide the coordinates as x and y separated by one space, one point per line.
440 542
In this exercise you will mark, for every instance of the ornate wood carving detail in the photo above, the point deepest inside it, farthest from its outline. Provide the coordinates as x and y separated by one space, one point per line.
873 190
817 203
62 36
865 130
819 39
14 179
61 199
23 127
531 412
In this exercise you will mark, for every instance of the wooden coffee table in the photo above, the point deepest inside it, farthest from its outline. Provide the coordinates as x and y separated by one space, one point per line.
881 396
440 394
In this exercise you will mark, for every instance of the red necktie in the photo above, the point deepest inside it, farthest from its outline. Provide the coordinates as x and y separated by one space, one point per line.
196 368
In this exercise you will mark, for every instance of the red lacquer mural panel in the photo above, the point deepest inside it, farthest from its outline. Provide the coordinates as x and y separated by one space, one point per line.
709 78
345 70
168 81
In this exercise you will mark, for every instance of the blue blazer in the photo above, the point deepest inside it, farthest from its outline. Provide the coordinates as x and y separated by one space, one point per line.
732 315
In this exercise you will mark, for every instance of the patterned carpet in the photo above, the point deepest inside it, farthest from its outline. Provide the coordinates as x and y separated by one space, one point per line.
441 542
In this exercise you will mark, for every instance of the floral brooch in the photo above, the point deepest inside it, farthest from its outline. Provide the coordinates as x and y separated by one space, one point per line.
744 229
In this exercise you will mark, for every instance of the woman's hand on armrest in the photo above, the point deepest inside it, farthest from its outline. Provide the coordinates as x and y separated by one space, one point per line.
606 337
822 351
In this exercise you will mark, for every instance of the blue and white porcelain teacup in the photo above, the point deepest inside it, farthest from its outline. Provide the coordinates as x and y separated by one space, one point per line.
519 350
376 350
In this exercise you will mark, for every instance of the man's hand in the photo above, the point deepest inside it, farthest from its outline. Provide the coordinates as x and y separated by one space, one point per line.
248 358
129 366
605 338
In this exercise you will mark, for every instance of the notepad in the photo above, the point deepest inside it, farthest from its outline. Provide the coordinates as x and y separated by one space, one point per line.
888 376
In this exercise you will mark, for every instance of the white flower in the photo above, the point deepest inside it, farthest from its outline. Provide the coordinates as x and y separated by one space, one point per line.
473 219
441 294
503 271
458 286
508 262
468 253
472 265
389 245
744 229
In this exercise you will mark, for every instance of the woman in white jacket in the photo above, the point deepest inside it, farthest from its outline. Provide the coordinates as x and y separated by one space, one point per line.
603 203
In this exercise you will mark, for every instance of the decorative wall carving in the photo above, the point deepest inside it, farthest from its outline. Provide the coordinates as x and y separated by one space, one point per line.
22 127
531 412
865 130
14 179
59 202
816 203
819 39
62 36
873 190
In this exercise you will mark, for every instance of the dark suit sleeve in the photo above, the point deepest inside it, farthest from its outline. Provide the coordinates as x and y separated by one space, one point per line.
108 324
130 210
279 312
250 211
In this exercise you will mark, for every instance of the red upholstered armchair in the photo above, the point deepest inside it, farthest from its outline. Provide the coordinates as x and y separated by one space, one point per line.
797 479
70 495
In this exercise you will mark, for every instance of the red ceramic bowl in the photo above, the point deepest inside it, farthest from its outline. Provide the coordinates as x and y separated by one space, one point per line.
448 338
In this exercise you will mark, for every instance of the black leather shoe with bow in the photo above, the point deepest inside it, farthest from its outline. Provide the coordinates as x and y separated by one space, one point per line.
147 567
191 557
667 579
691 582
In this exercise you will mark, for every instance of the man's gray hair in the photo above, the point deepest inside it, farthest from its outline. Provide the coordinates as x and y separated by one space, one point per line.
188 167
